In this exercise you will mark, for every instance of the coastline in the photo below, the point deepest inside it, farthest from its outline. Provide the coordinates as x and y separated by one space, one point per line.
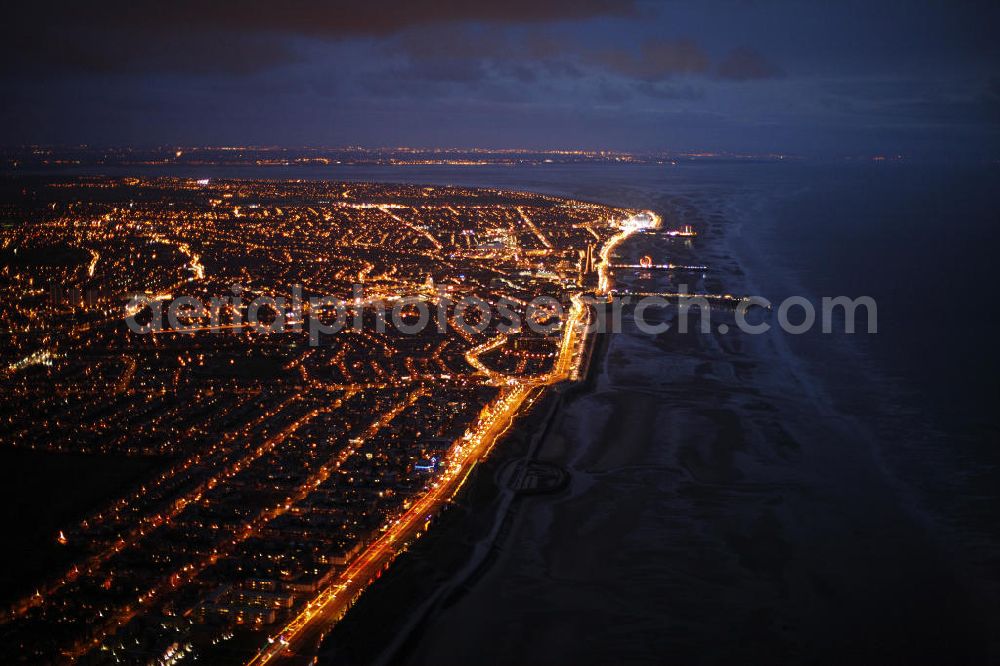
465 542
691 454
308 627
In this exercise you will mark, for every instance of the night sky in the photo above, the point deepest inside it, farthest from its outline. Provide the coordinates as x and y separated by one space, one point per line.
917 78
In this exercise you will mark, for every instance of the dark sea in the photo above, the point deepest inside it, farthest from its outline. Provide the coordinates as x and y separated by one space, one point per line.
919 239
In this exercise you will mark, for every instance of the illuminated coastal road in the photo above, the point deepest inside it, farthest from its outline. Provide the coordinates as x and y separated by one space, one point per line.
307 628
296 642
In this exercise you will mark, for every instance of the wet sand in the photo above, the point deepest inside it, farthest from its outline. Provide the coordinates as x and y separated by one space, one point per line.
731 525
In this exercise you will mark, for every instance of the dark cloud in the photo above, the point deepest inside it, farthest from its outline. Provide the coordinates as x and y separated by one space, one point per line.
543 45
746 64
472 55
444 71
340 18
333 18
655 60
522 73
504 49
230 36
452 43
476 58
669 92
101 52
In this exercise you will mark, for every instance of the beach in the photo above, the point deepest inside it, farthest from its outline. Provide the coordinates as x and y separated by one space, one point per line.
718 503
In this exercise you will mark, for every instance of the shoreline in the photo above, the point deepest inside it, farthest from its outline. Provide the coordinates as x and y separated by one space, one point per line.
323 613
486 507
478 562
701 484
